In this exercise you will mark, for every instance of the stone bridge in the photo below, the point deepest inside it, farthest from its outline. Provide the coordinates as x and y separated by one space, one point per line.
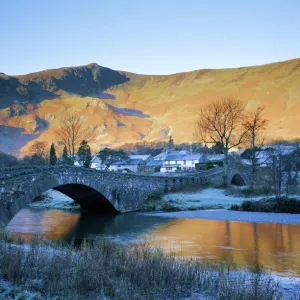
95 191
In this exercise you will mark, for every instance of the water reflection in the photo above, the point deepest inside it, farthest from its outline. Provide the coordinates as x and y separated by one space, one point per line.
51 224
271 246
274 246
64 225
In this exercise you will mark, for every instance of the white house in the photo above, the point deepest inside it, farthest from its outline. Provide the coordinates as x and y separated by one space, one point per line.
165 168
130 165
184 161
180 160
163 155
133 165
97 164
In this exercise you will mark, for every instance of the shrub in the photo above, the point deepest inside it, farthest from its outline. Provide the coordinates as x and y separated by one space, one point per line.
283 205
152 202
169 207
209 165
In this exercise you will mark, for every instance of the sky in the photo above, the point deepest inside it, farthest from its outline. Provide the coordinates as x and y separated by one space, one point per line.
147 37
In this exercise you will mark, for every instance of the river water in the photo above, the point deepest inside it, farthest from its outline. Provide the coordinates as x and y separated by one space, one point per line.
272 246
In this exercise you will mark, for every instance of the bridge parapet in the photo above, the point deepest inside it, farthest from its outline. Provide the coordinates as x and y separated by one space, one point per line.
124 192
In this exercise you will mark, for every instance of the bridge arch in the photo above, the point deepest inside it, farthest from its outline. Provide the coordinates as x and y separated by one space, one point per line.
238 180
89 199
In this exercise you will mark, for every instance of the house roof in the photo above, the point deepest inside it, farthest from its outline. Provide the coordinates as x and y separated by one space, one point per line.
164 154
142 157
215 157
194 156
282 149
155 163
246 162
96 159
129 162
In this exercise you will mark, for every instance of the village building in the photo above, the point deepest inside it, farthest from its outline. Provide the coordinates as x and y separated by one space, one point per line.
135 163
153 166
166 168
130 165
186 162
206 159
97 164
216 159
163 155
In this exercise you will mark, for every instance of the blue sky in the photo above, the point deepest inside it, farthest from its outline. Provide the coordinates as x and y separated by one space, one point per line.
149 37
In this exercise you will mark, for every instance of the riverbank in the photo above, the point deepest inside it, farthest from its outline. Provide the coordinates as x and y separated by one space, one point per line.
228 215
110 271
194 199
233 198
268 205
191 199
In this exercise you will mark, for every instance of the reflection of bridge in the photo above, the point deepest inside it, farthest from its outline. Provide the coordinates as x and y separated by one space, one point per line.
94 190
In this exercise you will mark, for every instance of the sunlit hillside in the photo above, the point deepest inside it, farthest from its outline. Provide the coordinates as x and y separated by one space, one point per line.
122 107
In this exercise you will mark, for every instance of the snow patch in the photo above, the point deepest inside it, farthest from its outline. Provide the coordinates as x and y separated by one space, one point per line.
210 197
57 200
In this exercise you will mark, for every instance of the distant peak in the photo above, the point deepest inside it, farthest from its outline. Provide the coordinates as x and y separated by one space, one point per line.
93 65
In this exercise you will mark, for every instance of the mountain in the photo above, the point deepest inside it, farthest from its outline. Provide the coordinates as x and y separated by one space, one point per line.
123 107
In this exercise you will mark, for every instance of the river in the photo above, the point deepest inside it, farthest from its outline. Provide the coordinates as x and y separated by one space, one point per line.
273 246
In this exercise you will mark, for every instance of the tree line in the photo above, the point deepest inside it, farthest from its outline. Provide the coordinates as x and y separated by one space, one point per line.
227 124
74 136
222 125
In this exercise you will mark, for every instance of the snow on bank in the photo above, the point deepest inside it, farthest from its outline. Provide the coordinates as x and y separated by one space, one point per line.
55 199
9 291
209 197
228 215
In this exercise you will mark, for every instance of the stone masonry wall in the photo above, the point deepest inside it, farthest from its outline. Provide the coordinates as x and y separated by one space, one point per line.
126 192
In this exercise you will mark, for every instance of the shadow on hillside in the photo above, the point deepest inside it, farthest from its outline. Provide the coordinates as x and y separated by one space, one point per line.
12 91
128 111
12 139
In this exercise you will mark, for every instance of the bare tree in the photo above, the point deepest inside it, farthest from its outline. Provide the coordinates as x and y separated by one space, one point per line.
283 166
71 132
39 148
254 124
277 169
292 170
221 123
38 153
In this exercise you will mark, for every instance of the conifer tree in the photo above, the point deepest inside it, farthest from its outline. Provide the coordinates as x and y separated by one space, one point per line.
65 157
170 143
84 154
53 157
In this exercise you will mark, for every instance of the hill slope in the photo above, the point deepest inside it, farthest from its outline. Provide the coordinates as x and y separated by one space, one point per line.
124 107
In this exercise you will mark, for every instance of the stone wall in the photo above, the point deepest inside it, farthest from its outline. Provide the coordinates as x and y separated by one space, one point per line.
124 192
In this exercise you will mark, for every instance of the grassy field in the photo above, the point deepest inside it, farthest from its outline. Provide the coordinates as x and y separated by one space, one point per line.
103 270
